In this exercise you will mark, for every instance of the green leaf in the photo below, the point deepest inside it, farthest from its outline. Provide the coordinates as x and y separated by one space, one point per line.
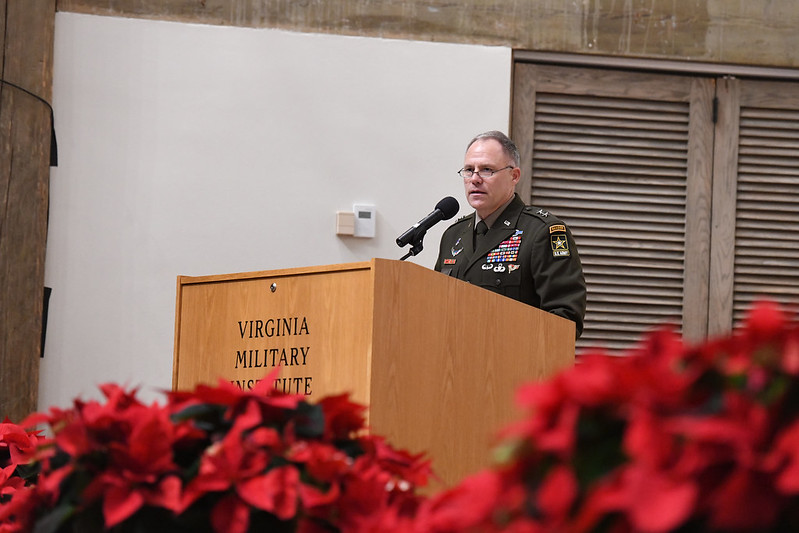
28 472
507 452
310 421
206 416
51 522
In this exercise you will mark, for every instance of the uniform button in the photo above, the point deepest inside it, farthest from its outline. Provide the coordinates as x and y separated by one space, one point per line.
497 282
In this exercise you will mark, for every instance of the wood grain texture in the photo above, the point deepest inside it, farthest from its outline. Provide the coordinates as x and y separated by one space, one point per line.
757 32
447 360
26 37
436 360
725 172
698 209
217 322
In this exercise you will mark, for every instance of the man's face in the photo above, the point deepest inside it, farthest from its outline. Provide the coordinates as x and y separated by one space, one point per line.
485 195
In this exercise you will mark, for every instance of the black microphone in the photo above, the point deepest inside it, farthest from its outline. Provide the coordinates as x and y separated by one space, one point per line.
445 209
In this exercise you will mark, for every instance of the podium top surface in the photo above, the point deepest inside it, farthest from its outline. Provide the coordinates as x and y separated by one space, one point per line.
363 265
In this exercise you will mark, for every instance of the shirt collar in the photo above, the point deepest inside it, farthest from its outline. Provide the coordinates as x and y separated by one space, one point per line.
490 219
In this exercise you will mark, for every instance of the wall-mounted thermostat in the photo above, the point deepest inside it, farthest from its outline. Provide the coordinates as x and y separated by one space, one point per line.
365 218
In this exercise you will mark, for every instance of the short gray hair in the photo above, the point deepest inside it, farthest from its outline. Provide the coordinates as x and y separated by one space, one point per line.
508 146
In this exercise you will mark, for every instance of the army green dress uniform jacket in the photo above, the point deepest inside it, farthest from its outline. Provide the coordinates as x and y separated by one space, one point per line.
528 255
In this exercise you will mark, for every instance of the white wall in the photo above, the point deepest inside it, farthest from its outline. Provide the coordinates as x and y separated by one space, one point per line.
192 150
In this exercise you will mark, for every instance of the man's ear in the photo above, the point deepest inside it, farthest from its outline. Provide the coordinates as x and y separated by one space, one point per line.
516 172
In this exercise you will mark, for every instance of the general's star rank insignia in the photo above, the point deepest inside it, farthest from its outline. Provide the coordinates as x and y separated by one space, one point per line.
560 246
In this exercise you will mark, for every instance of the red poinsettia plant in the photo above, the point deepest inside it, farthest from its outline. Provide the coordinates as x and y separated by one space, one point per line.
669 438
216 459
17 450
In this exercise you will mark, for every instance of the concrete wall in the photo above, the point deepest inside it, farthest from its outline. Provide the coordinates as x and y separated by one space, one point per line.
750 32
190 150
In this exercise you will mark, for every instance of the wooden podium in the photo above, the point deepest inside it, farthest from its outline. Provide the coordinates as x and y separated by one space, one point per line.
436 360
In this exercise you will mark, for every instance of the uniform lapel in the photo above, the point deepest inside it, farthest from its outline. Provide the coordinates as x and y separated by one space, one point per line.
463 241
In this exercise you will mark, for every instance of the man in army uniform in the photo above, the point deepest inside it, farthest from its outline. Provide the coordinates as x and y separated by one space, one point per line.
522 252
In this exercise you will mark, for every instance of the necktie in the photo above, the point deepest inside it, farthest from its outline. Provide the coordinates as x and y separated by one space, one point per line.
480 231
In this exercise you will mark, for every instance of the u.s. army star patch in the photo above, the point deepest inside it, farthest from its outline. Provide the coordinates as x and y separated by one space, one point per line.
560 246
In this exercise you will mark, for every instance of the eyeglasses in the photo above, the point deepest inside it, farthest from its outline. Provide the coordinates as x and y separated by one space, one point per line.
484 173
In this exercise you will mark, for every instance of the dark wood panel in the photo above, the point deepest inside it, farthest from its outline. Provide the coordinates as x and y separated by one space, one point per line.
27 43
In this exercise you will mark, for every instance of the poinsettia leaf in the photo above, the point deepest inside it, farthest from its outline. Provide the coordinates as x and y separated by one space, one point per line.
88 520
206 416
263 521
712 402
310 421
52 521
790 356
505 452
343 417
352 448
775 390
120 503
311 496
599 445
661 504
66 483
558 492
737 381
230 515
276 491
28 472
195 519
157 520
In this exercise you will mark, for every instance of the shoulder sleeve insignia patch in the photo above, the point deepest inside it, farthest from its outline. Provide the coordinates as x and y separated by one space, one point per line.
557 227
560 246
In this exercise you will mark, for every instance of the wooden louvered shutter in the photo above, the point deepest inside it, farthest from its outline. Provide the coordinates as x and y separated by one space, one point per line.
624 159
756 198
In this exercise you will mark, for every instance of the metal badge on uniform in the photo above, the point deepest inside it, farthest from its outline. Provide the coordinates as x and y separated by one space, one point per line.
511 268
542 213
455 250
560 246
499 268
487 266
449 261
